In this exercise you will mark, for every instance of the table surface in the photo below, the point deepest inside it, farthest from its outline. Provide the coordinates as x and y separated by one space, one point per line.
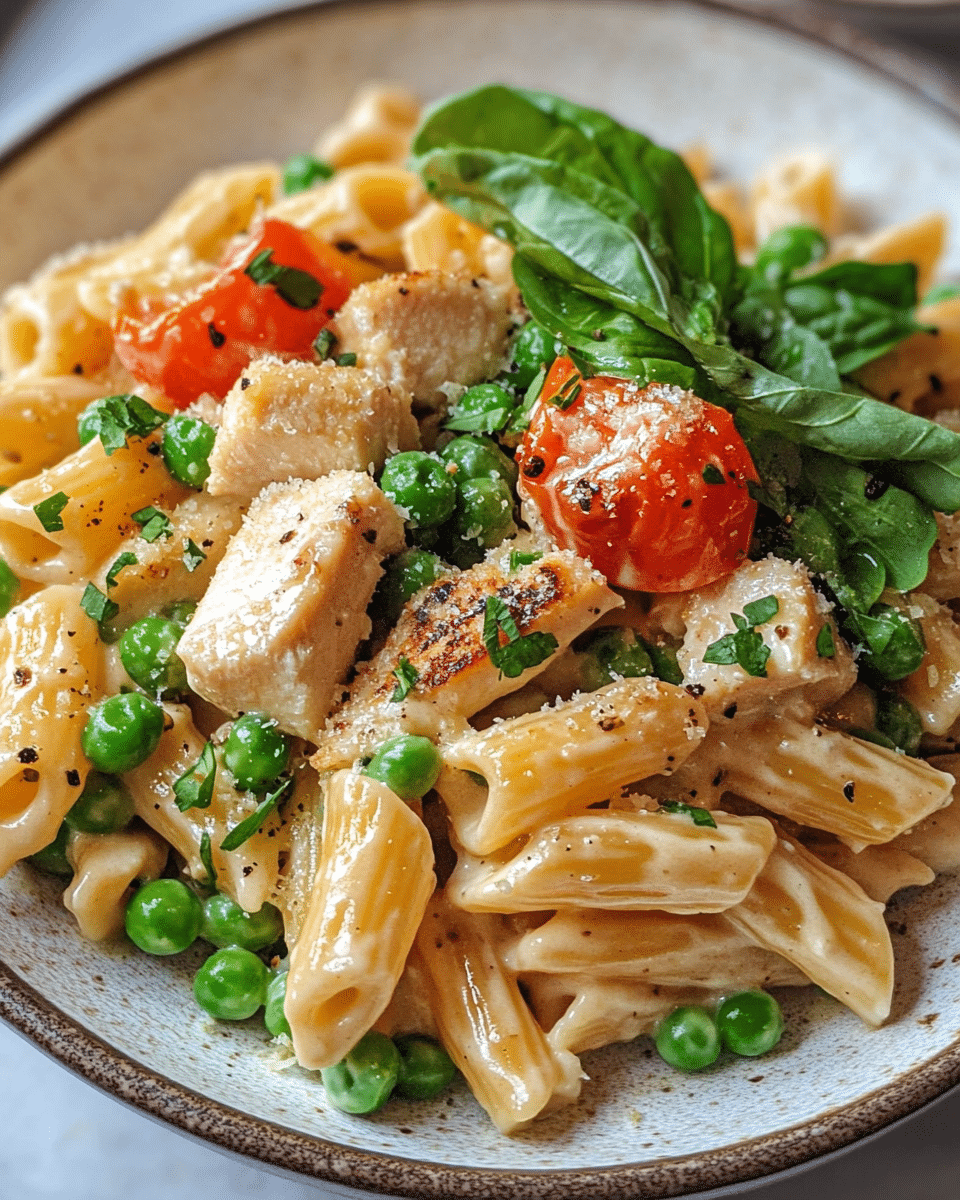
61 1138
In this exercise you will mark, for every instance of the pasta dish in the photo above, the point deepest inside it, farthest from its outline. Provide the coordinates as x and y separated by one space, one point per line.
494 582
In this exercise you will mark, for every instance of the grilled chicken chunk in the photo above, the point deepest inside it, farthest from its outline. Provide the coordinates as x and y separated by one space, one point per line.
299 420
421 331
441 635
280 623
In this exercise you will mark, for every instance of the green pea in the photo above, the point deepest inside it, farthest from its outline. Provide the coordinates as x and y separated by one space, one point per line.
485 408
363 1081
104 806
479 458
256 752
405 575
750 1023
52 859
225 923
302 171
163 917
407 764
9 587
180 612
273 1015
231 985
122 732
186 447
613 654
425 1067
533 349
688 1038
484 512
898 720
148 651
420 484
895 644
789 249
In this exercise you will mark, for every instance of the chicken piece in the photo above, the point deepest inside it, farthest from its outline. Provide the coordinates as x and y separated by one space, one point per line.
279 626
440 634
934 687
790 635
421 331
298 420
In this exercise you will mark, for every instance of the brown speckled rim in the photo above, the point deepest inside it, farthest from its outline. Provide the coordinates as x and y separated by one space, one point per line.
298 1155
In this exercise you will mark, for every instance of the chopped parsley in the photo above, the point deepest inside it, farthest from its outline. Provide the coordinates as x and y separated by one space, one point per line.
298 288
521 651
520 421
826 647
524 558
249 825
712 474
96 605
153 523
349 359
323 343
113 418
407 675
195 788
193 556
699 816
206 857
746 647
48 511
126 559
568 393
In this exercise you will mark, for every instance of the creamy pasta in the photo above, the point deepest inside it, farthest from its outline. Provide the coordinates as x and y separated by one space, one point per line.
430 576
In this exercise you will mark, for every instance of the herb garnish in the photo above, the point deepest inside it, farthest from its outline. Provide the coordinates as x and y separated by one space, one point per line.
524 558
193 556
115 417
521 651
206 857
407 675
712 474
745 647
249 825
323 343
298 288
153 523
699 816
126 559
96 605
48 511
194 789
348 359
825 643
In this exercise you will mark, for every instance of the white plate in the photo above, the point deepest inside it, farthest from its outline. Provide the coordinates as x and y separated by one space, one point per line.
683 73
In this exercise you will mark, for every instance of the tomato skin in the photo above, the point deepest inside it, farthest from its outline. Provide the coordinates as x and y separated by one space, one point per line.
618 476
205 343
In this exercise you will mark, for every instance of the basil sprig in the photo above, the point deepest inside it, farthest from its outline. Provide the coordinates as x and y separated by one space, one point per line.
605 223
745 646
114 418
521 650
298 288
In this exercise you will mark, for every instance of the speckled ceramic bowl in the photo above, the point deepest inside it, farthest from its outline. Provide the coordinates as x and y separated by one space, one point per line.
683 72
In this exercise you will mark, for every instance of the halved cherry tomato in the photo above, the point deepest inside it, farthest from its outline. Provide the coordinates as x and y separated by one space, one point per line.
649 483
204 344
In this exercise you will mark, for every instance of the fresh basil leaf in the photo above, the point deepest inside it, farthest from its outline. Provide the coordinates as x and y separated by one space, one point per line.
323 343
9 587
520 421
96 605
407 675
524 558
48 511
893 284
940 292
896 528
194 789
699 816
746 647
787 250
249 825
126 559
664 660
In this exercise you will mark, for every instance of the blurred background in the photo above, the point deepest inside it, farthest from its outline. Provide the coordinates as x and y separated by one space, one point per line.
61 1138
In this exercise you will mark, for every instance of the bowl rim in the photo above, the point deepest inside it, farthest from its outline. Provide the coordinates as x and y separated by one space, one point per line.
299 1155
